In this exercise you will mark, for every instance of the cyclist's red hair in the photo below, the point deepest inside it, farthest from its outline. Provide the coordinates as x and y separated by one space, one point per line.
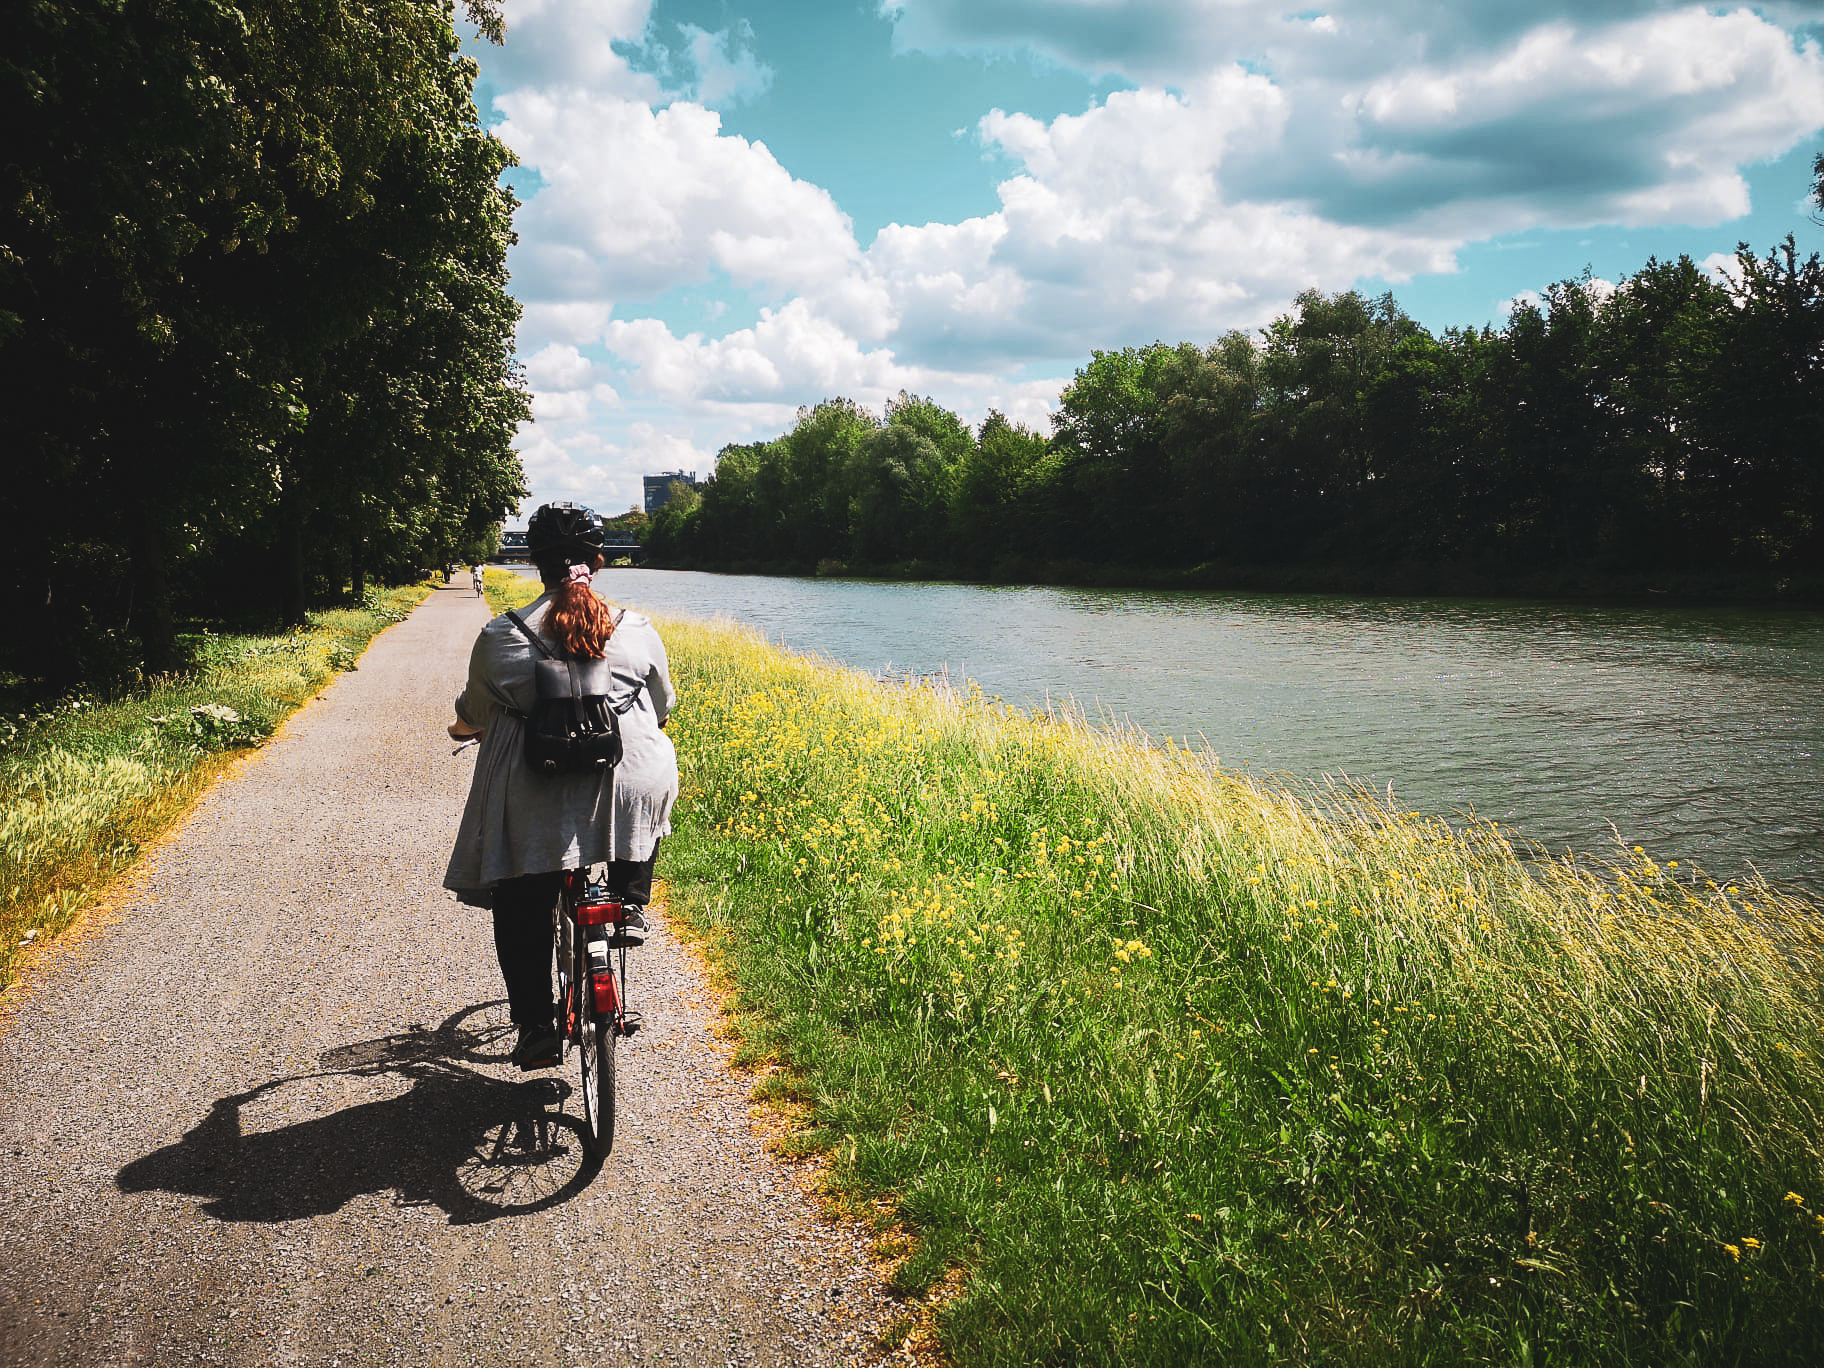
578 617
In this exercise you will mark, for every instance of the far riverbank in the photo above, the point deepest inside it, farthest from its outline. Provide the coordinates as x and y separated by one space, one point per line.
1581 585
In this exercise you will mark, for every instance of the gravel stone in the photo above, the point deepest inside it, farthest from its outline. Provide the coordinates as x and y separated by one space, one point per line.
262 1113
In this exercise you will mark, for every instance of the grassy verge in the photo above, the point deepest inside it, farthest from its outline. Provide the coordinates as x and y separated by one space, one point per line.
1181 1068
84 784
506 589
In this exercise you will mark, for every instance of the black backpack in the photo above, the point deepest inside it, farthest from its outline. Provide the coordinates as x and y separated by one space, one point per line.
572 728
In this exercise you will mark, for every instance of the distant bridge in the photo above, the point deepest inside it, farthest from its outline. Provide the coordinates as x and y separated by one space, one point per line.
615 546
618 546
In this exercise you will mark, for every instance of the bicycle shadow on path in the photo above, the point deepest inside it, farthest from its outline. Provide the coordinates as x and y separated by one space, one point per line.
473 1145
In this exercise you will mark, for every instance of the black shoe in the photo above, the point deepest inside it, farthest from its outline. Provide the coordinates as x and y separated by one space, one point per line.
538 1048
632 929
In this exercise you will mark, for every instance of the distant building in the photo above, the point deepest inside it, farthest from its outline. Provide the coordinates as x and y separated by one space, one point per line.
658 488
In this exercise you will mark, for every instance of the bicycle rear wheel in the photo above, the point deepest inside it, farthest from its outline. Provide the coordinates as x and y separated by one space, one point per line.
595 1044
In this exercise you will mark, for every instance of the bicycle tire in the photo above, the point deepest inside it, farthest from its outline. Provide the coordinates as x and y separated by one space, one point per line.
564 977
595 1047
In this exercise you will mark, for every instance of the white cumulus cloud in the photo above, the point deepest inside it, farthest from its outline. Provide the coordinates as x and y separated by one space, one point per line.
635 200
728 70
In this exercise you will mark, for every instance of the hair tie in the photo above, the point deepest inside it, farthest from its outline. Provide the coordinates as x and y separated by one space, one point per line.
581 574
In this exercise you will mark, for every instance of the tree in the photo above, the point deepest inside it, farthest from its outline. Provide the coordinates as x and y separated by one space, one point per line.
898 481
1211 403
633 523
671 524
1762 412
994 488
227 229
804 484
1318 366
727 528
1110 481
1660 337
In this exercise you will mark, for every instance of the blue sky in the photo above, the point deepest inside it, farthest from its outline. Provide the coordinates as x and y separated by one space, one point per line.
737 207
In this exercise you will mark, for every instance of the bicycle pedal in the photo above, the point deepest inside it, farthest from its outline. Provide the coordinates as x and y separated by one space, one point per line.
630 1022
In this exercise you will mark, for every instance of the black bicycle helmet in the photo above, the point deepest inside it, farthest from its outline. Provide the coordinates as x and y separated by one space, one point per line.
568 528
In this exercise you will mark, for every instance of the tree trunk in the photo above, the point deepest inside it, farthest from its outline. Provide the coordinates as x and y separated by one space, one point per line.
150 613
291 559
357 568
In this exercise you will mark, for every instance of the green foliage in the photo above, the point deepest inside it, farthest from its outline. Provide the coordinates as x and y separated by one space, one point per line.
254 330
994 486
631 523
216 726
1671 426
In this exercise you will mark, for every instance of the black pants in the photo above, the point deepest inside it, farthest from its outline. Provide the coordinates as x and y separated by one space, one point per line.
522 932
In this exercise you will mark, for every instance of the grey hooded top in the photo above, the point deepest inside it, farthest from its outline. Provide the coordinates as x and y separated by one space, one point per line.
518 822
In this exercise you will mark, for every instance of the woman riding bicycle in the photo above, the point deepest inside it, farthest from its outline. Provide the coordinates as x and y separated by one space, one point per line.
521 829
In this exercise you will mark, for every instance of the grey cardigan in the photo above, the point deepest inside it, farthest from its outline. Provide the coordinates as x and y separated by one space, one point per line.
517 822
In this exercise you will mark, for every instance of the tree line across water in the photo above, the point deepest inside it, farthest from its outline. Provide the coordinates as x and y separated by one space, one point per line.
256 345
1668 431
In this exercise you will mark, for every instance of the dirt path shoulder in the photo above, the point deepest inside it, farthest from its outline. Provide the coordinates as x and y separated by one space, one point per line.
264 1115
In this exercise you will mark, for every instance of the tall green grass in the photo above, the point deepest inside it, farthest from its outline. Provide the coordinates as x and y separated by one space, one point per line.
1182 1067
86 782
506 589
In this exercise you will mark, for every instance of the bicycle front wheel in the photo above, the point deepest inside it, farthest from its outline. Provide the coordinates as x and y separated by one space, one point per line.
595 1045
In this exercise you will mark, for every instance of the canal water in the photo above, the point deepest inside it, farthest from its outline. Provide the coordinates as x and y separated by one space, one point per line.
1695 733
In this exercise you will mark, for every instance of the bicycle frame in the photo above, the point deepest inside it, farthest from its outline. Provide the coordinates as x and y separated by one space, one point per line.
591 995
582 907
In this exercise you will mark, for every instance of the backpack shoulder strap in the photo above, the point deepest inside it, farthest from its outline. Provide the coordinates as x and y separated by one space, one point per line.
530 635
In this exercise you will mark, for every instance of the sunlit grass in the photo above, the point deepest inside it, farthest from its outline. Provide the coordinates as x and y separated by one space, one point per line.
1185 1067
84 784
506 589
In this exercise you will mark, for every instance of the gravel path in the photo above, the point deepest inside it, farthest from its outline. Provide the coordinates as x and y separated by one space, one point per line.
263 1114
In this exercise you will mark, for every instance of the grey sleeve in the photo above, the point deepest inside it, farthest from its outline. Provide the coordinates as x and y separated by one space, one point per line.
500 667
658 678
476 704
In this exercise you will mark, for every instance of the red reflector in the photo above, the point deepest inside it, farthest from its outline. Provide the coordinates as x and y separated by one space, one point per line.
607 995
598 914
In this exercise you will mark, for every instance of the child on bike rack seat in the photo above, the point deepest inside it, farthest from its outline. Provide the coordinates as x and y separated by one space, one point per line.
521 829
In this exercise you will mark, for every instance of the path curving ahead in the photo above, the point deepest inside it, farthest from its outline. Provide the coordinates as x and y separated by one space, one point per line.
263 1115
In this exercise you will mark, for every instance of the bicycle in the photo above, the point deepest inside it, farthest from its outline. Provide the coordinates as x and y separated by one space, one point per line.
589 927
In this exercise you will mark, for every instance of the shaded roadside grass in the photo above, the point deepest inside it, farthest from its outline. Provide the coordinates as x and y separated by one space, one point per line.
1181 1067
86 782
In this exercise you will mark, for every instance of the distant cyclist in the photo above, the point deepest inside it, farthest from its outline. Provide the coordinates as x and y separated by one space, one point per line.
475 580
520 829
